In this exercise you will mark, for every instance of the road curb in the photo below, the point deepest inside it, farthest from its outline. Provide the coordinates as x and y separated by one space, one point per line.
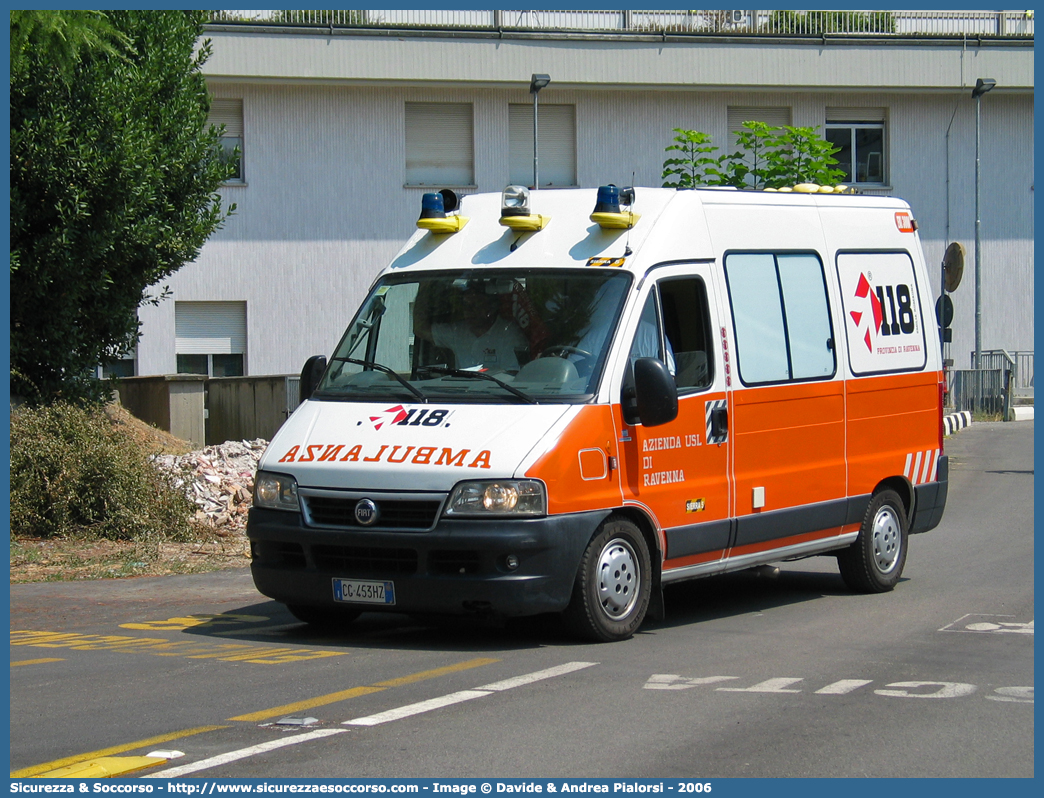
955 421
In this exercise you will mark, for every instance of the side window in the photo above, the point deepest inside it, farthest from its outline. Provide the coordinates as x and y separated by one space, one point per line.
675 328
686 323
647 341
781 316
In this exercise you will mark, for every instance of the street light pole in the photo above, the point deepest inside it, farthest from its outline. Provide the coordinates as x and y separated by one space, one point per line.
537 82
982 85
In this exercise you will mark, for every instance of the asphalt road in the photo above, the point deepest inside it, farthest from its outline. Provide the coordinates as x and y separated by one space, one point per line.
751 675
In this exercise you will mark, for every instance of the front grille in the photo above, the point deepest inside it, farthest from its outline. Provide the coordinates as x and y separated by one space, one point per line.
278 555
394 513
365 560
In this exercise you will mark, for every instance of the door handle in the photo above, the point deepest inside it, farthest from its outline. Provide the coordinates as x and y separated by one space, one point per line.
719 422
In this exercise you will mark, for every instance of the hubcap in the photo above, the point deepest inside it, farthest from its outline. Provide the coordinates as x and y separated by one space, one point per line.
618 578
886 539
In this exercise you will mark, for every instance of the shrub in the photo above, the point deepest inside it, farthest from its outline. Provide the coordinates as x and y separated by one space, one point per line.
76 474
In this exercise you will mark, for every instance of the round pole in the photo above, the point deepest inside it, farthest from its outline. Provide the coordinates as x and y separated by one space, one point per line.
536 169
978 244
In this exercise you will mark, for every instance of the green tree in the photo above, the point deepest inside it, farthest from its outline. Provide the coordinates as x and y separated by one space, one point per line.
114 171
768 158
748 166
62 38
695 166
801 156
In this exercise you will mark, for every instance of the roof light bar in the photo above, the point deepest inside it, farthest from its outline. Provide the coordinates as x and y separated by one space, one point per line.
607 213
515 212
433 215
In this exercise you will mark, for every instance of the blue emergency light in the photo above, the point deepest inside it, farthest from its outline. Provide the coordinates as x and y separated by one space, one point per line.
433 214
607 213
432 207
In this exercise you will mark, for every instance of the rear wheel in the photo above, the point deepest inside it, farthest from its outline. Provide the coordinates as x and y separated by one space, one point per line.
325 617
874 563
613 585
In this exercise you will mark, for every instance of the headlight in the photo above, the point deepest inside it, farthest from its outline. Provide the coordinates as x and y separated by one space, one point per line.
276 492
498 497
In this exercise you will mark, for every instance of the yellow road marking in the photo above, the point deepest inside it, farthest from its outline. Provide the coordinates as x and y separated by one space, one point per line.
106 767
36 661
116 749
160 647
330 698
423 675
343 695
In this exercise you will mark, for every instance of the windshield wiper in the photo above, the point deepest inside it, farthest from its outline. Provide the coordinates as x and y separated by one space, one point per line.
482 375
382 368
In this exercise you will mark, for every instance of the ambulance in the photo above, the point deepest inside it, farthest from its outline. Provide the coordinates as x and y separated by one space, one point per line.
561 401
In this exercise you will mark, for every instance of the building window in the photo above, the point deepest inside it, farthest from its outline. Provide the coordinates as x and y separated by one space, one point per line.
440 145
859 134
118 367
230 114
557 150
210 338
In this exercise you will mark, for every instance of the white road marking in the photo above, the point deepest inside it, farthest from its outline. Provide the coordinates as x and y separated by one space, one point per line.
767 686
668 681
372 720
913 689
467 695
242 753
1014 695
418 708
843 686
989 624
536 676
940 689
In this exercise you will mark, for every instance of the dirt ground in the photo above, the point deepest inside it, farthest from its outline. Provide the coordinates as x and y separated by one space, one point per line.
51 559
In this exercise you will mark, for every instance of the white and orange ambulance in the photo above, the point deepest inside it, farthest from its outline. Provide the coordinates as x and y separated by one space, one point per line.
561 401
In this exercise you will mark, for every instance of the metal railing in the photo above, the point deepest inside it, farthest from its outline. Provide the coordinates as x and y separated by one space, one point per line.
1020 363
971 24
978 390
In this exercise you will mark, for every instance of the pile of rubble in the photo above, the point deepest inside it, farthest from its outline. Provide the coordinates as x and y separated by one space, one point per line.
219 480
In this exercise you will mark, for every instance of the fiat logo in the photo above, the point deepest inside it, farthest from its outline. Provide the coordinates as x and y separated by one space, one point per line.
366 512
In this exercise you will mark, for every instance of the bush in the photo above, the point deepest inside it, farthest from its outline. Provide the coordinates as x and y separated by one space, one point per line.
74 473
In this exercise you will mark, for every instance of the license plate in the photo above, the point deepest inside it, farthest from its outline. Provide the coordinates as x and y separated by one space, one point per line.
361 591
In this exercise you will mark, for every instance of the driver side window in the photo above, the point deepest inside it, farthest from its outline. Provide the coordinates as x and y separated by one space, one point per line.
675 328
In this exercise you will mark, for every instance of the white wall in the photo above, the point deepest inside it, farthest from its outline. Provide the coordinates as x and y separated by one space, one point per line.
324 207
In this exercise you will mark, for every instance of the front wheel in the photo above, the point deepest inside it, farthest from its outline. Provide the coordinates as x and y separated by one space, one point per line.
613 584
874 563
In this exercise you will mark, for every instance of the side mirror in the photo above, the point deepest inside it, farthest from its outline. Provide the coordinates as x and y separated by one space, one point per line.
653 394
310 376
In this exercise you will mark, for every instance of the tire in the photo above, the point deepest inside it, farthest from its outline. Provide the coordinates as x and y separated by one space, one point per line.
613 584
324 617
875 561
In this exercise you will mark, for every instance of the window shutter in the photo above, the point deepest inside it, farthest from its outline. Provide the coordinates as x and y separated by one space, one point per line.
737 115
210 328
855 114
228 113
557 131
440 144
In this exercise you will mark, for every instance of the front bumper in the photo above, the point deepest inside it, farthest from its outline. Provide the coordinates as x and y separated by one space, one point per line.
456 568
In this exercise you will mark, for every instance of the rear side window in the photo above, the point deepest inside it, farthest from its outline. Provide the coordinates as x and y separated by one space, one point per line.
781 317
883 320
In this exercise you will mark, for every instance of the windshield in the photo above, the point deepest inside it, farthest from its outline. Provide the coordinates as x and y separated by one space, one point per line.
535 335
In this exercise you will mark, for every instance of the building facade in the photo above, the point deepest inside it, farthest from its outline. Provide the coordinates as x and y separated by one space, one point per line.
343 122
